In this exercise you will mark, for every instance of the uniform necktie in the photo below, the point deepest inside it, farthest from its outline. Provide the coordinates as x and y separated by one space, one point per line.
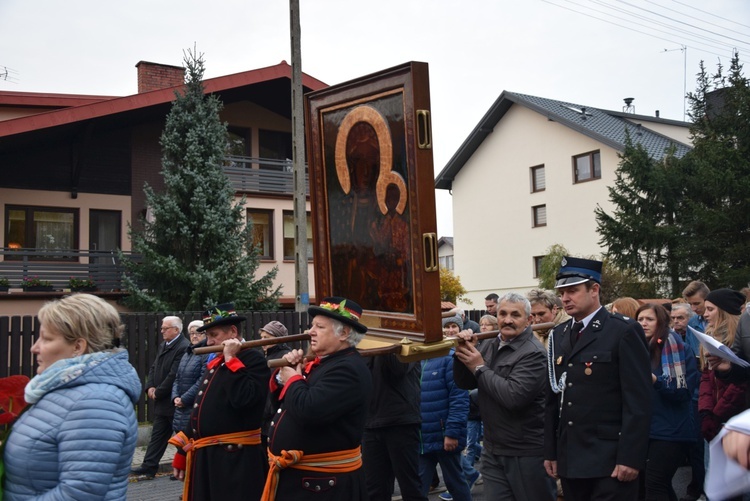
576 332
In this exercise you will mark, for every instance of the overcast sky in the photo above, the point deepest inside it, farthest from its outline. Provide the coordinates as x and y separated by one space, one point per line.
589 52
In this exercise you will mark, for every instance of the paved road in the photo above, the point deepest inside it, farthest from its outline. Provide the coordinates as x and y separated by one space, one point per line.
163 489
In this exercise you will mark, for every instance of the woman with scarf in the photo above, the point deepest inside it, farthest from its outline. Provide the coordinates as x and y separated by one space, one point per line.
76 439
674 376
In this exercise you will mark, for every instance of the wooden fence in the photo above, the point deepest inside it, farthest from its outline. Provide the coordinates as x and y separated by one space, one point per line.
141 338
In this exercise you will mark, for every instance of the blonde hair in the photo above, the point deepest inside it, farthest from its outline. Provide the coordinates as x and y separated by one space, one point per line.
83 316
491 319
723 330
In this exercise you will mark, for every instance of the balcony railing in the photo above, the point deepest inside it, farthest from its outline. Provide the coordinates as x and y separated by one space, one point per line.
261 175
59 266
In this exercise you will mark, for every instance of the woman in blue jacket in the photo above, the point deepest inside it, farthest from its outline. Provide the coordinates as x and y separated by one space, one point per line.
77 437
674 374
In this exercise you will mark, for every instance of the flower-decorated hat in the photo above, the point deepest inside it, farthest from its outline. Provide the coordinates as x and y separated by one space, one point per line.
222 314
345 311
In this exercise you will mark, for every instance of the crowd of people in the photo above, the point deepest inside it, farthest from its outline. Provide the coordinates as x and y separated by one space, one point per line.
562 397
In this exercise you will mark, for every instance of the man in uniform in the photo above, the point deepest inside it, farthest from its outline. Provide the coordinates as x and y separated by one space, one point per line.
599 405
314 440
225 459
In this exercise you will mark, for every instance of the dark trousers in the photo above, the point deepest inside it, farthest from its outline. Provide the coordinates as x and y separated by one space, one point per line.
161 430
599 489
392 452
516 478
453 475
663 460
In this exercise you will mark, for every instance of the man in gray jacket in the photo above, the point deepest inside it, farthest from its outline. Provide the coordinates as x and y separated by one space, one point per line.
510 372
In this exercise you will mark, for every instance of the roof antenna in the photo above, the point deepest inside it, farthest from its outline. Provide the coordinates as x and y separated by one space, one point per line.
629 108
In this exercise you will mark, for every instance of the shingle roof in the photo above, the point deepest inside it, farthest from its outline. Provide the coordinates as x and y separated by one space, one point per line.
605 126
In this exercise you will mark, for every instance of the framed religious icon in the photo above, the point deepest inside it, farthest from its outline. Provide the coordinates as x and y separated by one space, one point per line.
373 200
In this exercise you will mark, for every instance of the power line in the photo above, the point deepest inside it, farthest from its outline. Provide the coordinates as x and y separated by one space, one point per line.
635 30
680 31
710 13
683 22
696 18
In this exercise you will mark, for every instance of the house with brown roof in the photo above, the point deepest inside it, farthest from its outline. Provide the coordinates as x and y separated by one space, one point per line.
73 169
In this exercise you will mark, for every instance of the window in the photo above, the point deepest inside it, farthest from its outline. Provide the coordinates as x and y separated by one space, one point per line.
238 141
538 265
587 167
275 144
538 180
289 236
44 228
262 231
446 262
539 215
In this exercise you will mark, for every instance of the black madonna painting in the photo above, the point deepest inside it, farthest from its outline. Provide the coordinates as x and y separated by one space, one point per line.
369 227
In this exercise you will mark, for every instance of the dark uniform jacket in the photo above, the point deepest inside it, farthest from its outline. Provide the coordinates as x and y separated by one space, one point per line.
326 412
162 373
604 416
229 400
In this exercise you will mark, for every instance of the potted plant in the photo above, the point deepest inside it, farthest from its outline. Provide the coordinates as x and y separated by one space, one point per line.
4 284
35 284
81 284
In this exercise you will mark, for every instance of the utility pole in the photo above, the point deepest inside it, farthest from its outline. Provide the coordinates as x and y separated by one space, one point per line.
302 294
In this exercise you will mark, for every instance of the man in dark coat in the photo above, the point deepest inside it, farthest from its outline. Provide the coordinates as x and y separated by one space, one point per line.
225 458
598 409
323 410
159 389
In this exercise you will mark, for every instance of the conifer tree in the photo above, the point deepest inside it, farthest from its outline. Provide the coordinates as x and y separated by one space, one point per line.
196 251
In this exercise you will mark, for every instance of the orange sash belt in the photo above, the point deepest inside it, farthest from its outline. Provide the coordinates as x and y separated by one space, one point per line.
328 462
189 445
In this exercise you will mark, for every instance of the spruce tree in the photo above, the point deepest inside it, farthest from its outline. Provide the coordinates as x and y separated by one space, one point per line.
197 250
641 234
716 218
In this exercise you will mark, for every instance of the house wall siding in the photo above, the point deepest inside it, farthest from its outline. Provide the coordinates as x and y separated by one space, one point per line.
495 253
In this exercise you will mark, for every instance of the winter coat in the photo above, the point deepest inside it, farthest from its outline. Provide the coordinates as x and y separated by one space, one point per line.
77 440
718 401
445 406
162 372
187 379
672 414
274 352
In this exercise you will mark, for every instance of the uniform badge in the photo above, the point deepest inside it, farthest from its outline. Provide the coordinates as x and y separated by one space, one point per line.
559 360
596 324
588 370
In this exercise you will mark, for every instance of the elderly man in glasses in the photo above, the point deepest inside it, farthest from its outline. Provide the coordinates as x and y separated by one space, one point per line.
159 389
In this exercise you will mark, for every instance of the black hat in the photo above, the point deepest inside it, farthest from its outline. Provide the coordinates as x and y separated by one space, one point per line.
344 310
575 270
728 300
222 314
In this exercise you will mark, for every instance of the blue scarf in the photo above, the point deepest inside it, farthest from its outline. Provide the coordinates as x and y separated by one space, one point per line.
673 361
62 372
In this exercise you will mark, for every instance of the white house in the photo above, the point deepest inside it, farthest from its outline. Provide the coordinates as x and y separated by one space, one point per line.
541 167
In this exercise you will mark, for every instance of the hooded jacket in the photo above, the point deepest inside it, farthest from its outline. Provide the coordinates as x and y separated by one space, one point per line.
77 440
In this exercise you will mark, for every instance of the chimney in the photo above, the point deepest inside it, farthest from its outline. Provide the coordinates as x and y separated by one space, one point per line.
657 113
154 76
629 108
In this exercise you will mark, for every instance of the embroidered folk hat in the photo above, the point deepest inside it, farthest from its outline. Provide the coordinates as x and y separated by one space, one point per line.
338 308
576 270
728 300
275 328
221 314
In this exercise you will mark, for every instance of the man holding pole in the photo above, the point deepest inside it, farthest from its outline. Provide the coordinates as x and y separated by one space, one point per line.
224 457
314 440
510 373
